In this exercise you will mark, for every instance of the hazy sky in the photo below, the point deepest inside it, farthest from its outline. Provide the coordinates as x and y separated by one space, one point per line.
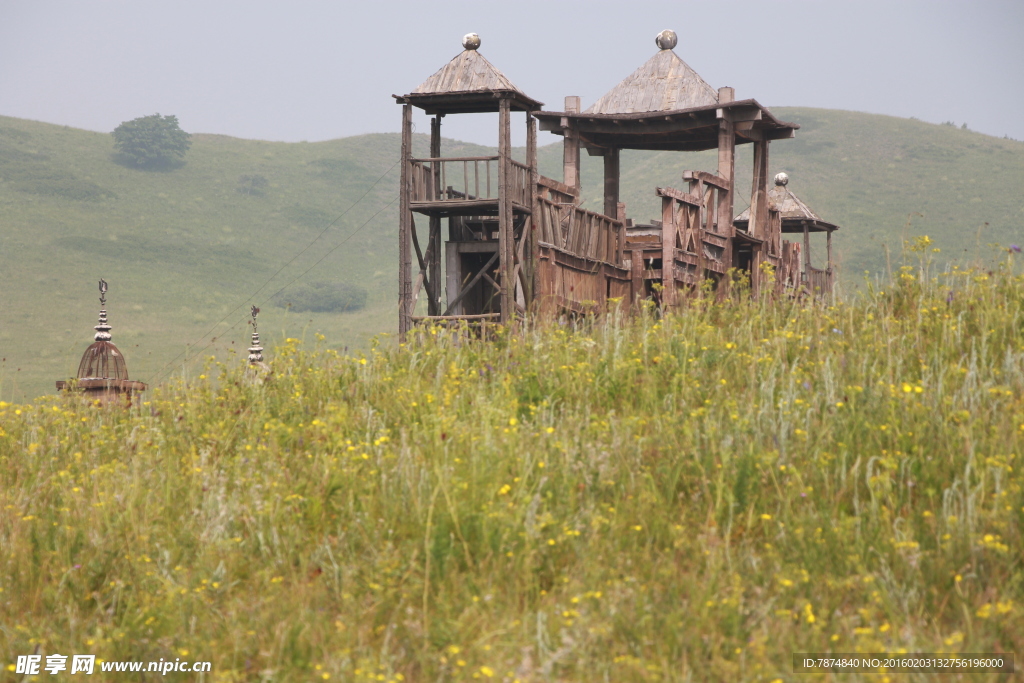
319 70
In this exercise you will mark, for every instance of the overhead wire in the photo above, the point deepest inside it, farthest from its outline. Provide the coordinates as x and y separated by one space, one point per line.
160 373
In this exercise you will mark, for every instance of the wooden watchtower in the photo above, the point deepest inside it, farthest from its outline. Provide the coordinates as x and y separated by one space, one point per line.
487 200
522 244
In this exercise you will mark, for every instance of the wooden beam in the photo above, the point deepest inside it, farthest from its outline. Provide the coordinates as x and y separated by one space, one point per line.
678 195
571 145
531 270
404 220
636 269
505 228
645 126
708 179
557 186
472 283
480 316
434 235
611 182
726 173
828 249
668 252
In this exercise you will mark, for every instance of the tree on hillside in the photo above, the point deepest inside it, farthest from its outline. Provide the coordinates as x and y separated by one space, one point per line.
150 141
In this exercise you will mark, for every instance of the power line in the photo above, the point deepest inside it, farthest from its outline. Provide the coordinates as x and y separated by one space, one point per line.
227 315
160 374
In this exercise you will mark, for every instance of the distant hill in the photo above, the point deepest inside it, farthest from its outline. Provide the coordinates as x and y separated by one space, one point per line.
182 248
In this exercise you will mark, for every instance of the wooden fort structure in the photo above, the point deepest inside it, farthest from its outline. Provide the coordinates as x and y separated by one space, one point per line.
519 243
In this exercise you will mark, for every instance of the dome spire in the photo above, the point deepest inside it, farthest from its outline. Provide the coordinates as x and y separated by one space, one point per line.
103 328
255 351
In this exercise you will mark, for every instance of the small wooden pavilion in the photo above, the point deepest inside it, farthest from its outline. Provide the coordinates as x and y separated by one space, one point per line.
795 217
102 372
520 243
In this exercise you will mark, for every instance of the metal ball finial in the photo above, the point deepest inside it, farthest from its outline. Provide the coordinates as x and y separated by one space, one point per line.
471 41
781 179
666 40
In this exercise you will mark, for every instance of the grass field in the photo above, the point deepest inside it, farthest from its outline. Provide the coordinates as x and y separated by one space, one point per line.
694 497
187 250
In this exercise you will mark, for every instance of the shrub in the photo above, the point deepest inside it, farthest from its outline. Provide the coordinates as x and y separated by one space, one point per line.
323 297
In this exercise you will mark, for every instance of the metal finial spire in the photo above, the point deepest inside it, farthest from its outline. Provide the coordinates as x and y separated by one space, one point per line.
255 351
103 328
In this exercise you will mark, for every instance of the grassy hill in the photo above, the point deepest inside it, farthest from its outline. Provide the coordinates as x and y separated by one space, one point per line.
693 498
184 248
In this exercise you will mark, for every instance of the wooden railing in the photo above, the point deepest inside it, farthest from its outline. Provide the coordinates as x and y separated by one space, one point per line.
819 281
580 232
466 178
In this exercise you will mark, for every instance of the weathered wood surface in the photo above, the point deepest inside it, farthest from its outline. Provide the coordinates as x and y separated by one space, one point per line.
579 232
571 147
664 83
466 179
611 182
478 316
469 71
679 195
404 224
708 179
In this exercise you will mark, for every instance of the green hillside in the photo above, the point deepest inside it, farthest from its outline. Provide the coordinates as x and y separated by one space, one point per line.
184 248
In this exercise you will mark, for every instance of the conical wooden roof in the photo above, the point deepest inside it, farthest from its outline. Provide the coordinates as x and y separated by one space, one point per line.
469 71
664 83
793 211
468 83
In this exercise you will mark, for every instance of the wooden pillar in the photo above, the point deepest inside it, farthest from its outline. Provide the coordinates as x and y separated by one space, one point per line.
668 252
531 275
636 271
759 191
828 255
807 252
505 234
611 183
434 239
759 211
571 145
727 172
620 215
404 227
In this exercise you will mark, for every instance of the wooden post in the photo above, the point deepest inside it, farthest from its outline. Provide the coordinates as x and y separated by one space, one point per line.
434 239
404 226
807 253
620 248
636 269
532 275
828 249
505 234
668 252
828 255
727 172
571 146
611 182
759 211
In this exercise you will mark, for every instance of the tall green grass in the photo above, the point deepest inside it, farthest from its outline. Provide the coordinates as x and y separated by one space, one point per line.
693 497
